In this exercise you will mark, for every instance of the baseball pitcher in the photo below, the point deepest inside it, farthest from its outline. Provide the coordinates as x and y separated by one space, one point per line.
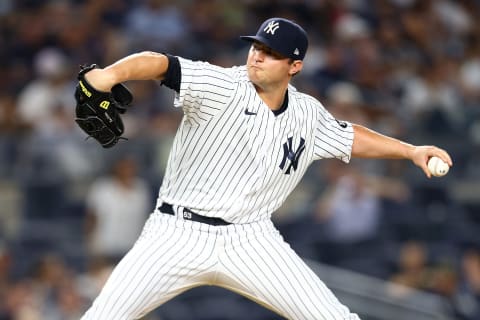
246 139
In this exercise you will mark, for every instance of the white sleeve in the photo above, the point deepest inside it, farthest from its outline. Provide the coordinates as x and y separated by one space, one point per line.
333 138
205 89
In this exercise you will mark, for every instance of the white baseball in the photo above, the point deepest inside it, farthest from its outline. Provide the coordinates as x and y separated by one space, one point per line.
437 167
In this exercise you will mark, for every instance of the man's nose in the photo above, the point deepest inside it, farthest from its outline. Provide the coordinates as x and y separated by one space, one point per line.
258 55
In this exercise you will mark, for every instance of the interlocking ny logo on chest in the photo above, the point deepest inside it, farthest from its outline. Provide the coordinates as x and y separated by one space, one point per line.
291 156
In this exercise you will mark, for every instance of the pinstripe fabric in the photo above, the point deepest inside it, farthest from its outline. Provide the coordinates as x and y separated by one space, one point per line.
231 158
225 163
165 261
275 276
173 255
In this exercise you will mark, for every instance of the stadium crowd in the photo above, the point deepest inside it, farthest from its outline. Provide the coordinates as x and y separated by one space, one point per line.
69 209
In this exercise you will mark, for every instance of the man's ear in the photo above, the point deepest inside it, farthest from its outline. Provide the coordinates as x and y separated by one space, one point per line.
296 67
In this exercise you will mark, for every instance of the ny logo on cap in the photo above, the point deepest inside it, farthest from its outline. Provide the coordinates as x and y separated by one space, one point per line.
271 27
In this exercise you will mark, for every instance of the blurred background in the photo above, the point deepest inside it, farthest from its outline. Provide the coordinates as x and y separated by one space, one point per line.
390 242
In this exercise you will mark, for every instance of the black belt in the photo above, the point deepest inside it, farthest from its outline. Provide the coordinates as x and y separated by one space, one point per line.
190 215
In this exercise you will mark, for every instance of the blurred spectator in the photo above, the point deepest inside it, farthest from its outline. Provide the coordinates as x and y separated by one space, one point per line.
348 208
332 69
432 101
350 217
10 122
117 207
30 298
49 92
209 42
467 299
93 279
21 303
350 27
13 131
345 101
453 16
67 303
415 270
469 76
53 154
54 283
157 25
364 64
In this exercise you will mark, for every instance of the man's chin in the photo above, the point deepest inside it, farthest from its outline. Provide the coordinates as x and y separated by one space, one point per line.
253 76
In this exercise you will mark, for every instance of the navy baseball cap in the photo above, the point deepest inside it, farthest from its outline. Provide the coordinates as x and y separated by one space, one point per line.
283 36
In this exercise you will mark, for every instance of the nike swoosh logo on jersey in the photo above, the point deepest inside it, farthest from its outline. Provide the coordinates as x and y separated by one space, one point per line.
249 113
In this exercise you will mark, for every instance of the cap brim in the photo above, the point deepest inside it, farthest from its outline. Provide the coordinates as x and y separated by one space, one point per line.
254 38
262 41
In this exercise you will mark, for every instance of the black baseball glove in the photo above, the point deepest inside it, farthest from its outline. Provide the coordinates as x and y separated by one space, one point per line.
98 112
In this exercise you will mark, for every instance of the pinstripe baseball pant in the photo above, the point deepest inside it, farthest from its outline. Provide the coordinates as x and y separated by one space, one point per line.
173 255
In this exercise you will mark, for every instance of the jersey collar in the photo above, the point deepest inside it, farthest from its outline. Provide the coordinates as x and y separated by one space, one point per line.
283 107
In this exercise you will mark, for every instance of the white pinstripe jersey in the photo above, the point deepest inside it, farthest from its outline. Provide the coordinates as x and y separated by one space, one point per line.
232 157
